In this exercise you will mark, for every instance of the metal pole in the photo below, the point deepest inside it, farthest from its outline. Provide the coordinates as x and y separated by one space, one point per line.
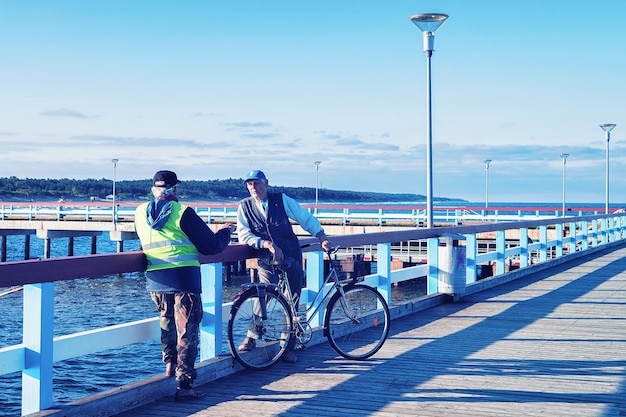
428 24
114 160
487 162
606 194
564 156
317 170
607 127
429 142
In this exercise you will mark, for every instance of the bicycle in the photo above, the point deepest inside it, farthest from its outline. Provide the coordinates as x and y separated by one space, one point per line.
356 321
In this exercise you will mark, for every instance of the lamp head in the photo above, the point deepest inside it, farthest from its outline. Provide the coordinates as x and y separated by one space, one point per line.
607 127
428 22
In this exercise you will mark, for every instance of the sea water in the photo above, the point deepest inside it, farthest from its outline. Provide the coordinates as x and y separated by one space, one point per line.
79 305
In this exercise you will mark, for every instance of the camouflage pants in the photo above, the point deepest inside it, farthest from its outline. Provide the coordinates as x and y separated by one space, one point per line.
180 316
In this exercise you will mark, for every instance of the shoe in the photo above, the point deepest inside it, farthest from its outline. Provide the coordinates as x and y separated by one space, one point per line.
290 357
248 345
187 394
170 369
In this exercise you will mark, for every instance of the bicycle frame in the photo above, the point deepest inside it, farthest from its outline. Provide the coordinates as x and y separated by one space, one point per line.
331 284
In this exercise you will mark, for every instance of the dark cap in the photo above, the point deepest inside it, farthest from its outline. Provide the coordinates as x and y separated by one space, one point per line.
165 179
255 175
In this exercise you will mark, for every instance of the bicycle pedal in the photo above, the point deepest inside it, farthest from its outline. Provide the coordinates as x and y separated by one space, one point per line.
298 347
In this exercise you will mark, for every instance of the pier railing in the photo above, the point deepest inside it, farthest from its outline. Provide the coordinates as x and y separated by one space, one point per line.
336 214
454 260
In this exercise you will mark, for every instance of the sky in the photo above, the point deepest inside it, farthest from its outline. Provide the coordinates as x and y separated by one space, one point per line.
212 89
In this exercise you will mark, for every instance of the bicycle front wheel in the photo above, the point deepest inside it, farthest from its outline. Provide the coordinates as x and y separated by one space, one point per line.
357 325
270 334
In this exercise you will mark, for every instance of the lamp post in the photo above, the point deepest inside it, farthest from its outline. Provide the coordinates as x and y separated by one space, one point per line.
487 162
114 160
607 127
564 157
317 172
428 24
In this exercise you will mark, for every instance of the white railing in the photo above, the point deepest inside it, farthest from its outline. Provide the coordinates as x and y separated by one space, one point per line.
340 214
559 240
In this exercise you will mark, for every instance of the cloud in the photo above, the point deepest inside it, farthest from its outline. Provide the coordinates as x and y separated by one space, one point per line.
247 125
207 115
66 113
260 135
124 141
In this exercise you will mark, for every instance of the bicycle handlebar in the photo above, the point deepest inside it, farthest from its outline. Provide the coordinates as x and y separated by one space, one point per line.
287 262
329 252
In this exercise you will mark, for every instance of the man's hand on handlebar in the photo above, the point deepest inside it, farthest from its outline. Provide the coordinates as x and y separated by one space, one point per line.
326 245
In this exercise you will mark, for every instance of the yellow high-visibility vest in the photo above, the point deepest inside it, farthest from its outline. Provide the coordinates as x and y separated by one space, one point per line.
169 247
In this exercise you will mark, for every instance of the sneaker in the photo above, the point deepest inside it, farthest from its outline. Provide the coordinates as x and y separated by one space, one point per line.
290 356
187 394
248 345
170 369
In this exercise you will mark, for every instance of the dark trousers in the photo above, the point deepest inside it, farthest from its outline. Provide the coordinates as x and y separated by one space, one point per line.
180 316
294 276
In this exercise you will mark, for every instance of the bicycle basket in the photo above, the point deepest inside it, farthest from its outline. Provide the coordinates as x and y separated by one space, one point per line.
351 269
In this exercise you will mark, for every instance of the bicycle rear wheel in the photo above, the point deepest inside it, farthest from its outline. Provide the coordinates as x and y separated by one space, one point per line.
273 332
357 326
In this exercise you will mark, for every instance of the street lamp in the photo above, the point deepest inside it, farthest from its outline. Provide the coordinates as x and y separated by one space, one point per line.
317 172
114 160
607 127
487 162
428 24
564 156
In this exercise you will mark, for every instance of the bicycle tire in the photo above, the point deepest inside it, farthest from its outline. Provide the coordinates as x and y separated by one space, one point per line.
275 329
365 333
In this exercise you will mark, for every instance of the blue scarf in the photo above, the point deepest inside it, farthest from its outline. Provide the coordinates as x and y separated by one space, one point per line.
157 213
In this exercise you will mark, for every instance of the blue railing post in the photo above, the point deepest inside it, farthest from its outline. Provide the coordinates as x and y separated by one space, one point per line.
500 252
573 234
584 228
314 281
471 249
38 337
383 268
432 257
617 231
211 326
558 229
594 232
603 233
523 243
543 239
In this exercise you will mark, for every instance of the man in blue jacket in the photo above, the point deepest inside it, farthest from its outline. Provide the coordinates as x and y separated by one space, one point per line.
172 235
263 222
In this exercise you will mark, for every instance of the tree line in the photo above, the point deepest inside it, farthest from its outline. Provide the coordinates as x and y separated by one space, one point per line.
227 189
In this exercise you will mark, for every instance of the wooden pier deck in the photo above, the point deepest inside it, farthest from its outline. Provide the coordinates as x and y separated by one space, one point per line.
549 344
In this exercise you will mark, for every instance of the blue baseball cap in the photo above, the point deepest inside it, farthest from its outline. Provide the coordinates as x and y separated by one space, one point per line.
255 175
